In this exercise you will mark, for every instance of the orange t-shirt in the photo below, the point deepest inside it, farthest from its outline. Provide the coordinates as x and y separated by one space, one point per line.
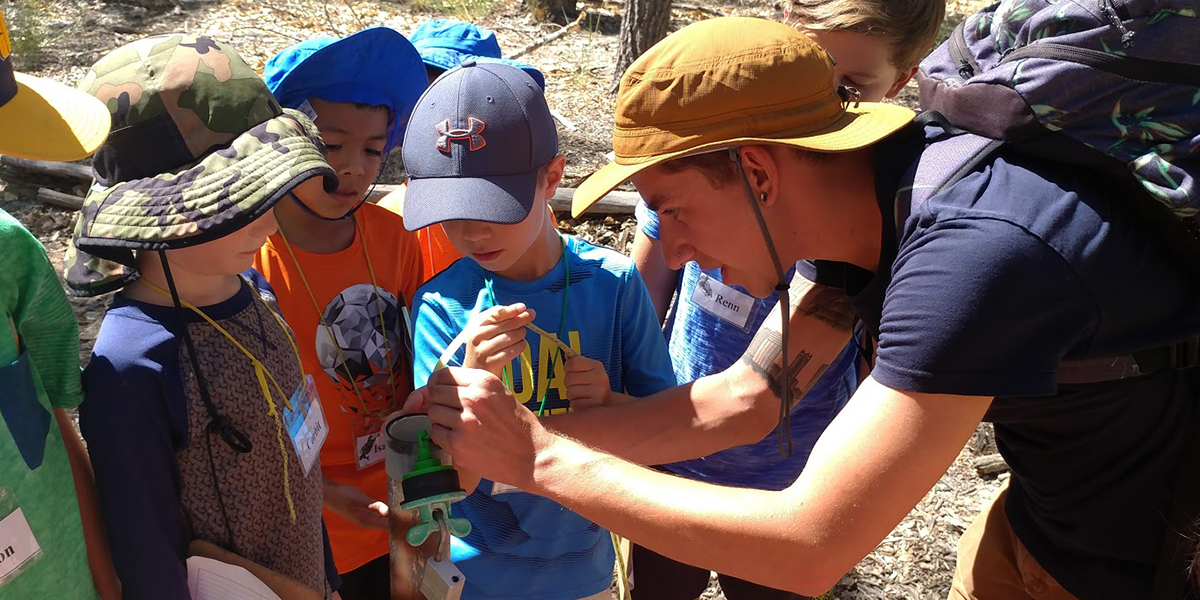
437 252
368 350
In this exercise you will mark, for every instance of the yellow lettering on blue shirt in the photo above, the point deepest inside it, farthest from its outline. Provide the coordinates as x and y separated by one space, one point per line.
524 363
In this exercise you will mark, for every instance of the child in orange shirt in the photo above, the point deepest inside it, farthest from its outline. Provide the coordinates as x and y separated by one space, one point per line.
345 272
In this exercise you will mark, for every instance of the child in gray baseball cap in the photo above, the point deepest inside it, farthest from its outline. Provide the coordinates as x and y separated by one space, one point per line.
482 156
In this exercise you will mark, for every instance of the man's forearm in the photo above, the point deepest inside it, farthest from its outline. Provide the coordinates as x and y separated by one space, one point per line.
680 423
738 406
757 532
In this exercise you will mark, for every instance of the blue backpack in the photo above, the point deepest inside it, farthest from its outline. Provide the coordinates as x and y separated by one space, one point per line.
1112 86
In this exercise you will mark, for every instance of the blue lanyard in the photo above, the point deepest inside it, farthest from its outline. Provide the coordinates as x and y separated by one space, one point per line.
562 322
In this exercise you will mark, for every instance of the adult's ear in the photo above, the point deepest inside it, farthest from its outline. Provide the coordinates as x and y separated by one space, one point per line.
762 170
901 82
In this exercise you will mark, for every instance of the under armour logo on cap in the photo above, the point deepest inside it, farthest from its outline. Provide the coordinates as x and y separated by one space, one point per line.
473 133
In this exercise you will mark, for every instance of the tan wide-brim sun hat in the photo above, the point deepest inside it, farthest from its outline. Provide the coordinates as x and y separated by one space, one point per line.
43 119
732 81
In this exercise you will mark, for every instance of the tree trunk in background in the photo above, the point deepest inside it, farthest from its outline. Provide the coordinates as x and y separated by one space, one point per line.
558 11
644 24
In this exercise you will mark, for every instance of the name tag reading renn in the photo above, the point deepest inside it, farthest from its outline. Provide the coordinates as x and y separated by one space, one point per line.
724 302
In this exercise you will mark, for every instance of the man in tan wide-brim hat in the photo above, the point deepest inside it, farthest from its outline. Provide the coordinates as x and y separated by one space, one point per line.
980 289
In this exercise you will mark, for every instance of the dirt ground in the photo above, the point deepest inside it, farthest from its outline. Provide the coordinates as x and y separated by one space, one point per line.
915 561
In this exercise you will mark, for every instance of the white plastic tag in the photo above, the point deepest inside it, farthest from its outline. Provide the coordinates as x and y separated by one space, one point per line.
724 302
17 544
305 422
503 488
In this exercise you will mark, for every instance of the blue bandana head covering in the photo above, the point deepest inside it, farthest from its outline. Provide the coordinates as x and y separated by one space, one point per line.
375 67
447 43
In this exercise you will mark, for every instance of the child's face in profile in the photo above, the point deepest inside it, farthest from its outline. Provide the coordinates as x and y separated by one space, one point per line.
863 62
500 248
228 255
355 137
497 247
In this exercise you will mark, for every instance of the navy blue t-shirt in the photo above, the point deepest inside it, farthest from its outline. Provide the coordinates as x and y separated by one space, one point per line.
992 284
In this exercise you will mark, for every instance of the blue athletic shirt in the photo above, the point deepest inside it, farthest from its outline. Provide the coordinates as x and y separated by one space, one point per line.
524 546
701 343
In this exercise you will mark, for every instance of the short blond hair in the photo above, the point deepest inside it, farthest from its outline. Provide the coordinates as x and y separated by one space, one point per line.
911 25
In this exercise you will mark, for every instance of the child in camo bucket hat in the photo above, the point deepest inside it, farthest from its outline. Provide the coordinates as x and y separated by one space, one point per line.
196 402
199 148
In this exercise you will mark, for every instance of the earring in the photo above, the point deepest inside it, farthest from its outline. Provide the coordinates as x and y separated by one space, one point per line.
764 197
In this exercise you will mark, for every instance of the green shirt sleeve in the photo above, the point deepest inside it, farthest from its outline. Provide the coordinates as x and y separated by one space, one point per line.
33 300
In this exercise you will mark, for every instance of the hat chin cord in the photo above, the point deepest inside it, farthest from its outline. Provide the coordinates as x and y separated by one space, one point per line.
218 423
304 207
784 431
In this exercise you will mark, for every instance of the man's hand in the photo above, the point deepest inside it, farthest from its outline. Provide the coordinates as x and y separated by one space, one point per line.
496 336
355 506
483 427
587 383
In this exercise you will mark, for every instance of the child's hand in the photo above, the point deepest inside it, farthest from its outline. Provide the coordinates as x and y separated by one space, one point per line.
497 336
355 506
587 383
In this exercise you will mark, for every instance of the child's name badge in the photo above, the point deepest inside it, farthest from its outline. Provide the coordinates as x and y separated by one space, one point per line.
17 544
370 447
724 302
306 424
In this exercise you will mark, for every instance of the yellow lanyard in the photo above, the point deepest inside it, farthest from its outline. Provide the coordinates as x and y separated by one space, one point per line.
262 373
321 315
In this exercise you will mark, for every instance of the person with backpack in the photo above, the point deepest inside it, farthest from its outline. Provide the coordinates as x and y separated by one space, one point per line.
1024 285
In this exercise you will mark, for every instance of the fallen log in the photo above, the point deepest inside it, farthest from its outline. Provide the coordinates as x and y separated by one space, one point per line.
59 199
990 465
74 173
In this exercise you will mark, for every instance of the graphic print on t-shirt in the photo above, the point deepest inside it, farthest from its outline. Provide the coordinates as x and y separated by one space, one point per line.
363 344
363 341
550 362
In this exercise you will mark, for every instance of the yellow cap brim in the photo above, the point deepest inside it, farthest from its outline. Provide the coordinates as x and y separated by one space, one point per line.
858 128
47 120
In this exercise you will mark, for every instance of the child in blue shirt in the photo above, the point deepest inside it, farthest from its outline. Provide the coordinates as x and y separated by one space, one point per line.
482 156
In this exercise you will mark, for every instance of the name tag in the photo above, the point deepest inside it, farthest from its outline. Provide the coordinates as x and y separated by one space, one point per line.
17 544
305 422
370 448
724 302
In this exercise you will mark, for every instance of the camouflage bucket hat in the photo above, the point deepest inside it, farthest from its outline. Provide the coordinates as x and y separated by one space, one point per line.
199 148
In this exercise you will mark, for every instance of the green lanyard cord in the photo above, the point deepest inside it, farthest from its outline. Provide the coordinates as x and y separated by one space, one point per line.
562 322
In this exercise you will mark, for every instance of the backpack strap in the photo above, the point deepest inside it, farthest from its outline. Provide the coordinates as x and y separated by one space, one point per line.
950 157
1183 355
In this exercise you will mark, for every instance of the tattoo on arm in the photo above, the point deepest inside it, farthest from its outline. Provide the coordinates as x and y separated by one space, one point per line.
764 356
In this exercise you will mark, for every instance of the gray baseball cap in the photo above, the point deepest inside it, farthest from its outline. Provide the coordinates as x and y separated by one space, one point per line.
474 145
